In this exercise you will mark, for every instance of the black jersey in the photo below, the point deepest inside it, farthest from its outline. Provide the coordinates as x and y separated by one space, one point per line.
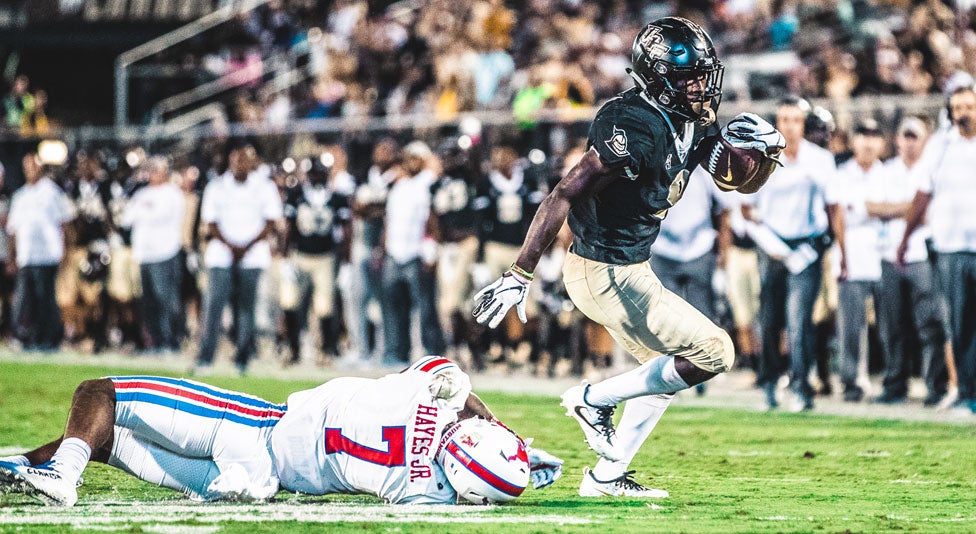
452 200
316 215
117 196
90 198
506 207
652 162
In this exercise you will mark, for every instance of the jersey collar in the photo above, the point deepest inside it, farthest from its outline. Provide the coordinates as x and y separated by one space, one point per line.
667 118
682 142
507 185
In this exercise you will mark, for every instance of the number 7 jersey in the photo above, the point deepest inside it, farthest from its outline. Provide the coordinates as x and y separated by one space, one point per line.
372 436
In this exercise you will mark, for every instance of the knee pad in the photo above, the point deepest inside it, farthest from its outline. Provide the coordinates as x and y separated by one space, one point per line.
717 353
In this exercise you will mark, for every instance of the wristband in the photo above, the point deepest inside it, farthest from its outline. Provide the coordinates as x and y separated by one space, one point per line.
521 272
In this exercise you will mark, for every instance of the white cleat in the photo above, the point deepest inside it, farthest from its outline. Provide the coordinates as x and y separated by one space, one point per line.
622 486
596 422
41 482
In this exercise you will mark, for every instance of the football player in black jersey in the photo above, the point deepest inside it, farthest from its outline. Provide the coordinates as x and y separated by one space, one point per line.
82 291
507 200
642 147
456 230
318 218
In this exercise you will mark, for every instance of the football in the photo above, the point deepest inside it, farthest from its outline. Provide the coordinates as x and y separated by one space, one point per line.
733 168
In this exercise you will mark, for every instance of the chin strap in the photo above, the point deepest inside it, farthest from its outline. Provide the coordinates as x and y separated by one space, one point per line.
637 79
708 116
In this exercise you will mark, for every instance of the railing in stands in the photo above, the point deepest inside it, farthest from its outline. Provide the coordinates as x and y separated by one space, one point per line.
201 123
157 45
278 72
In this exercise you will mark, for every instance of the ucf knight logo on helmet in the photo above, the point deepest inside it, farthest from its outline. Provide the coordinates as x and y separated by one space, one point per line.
653 44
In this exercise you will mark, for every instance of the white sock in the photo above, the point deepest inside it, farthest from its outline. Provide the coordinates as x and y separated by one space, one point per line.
655 377
639 418
71 458
18 459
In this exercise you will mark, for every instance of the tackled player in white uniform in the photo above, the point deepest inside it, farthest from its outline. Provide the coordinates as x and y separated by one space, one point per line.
417 437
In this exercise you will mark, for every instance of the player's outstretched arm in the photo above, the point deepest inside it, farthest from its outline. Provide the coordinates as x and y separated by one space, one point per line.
585 179
475 407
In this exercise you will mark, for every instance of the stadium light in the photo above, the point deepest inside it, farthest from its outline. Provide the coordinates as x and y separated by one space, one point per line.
288 165
52 152
135 157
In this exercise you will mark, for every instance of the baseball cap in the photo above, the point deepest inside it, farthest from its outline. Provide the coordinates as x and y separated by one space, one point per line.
868 127
912 126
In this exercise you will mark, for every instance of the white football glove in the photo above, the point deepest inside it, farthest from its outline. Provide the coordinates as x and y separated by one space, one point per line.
493 302
544 468
748 130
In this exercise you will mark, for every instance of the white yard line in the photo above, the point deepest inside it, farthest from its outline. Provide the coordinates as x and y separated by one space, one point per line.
123 513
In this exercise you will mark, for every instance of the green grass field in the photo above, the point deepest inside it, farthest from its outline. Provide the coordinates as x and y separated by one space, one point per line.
727 471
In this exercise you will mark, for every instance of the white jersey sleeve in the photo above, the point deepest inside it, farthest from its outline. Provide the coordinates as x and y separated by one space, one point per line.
372 436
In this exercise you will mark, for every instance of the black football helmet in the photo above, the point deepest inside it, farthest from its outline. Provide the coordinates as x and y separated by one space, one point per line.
669 56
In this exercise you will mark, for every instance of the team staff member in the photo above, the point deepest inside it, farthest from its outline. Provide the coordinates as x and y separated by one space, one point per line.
794 207
155 214
642 148
908 294
366 250
408 272
945 185
240 210
856 179
39 215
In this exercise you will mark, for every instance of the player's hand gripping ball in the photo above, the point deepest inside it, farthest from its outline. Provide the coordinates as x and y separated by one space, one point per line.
745 154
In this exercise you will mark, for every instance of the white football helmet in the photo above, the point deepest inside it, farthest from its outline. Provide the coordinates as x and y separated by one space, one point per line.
484 462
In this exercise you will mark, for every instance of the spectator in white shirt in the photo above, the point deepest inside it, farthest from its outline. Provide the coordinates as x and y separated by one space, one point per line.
155 214
856 180
795 209
908 294
39 212
946 184
240 210
408 271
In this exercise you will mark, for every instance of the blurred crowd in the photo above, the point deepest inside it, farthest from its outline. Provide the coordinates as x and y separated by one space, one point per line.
445 57
442 58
